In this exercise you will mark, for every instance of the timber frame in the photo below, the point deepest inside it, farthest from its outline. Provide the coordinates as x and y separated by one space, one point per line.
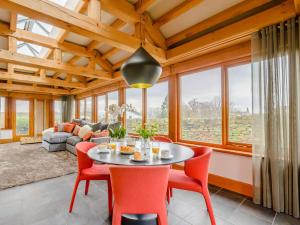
225 29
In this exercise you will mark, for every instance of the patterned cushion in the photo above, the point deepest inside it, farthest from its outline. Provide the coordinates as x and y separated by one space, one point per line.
57 137
96 126
73 140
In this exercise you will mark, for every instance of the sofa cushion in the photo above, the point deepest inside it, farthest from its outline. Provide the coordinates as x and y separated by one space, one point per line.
84 130
57 137
87 136
76 130
73 140
68 127
96 126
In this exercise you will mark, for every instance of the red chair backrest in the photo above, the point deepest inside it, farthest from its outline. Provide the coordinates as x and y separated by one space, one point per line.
198 166
83 160
139 189
162 139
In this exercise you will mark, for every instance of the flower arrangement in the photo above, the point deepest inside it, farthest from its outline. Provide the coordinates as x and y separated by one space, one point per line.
115 110
117 132
147 131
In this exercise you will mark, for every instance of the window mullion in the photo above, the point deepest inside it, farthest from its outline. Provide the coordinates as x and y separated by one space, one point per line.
225 105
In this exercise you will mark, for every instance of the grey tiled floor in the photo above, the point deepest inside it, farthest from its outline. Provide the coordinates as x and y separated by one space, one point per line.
46 203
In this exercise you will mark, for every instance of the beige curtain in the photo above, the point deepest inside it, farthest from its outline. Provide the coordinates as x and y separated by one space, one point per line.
276 128
67 108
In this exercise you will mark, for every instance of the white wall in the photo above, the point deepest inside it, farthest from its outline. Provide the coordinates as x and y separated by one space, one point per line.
235 167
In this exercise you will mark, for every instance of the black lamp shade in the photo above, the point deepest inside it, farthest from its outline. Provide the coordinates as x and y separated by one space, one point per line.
141 70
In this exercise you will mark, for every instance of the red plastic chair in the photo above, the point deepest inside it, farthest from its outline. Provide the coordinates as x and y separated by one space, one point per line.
194 177
139 190
88 171
162 139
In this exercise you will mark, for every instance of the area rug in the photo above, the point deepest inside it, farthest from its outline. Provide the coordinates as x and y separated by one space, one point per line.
23 164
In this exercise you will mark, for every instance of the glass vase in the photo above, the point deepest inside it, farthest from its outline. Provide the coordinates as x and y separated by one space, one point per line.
145 146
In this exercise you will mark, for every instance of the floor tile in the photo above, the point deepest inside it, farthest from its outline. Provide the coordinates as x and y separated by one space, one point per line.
282 219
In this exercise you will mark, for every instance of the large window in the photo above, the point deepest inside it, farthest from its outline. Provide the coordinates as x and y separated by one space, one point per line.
58 111
240 103
86 108
22 117
103 103
2 112
201 108
134 99
101 108
158 107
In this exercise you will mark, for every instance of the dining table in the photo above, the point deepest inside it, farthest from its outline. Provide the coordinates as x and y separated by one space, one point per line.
178 152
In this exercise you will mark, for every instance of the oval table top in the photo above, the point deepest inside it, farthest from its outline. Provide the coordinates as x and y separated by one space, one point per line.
180 153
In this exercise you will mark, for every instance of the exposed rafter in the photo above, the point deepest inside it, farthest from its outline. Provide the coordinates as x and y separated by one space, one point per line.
39 80
233 33
232 12
175 12
16 58
32 89
78 23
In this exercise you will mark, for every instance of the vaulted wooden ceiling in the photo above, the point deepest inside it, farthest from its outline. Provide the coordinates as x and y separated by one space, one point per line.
90 39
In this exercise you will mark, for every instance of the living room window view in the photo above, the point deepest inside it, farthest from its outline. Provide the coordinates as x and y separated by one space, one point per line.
149 112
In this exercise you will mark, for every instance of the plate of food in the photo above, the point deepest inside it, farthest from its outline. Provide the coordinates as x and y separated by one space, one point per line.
137 157
126 150
102 148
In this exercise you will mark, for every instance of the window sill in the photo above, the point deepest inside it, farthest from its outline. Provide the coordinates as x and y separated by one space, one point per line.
223 150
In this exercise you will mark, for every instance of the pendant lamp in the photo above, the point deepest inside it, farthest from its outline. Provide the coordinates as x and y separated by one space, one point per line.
141 70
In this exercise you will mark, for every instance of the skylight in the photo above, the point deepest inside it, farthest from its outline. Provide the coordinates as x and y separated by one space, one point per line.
41 28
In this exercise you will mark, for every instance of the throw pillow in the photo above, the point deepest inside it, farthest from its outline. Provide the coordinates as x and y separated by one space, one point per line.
96 126
104 126
87 136
84 130
103 133
68 127
76 130
60 127
55 128
77 121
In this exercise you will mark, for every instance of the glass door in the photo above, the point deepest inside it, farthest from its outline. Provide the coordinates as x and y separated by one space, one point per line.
23 119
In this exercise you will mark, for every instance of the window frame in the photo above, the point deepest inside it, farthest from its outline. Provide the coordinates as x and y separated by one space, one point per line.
92 103
144 106
226 144
106 103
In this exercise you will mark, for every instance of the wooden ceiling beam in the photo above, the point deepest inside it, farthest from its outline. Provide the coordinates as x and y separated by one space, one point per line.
175 12
231 34
32 89
75 22
154 32
27 36
19 59
219 18
39 80
122 9
297 6
145 4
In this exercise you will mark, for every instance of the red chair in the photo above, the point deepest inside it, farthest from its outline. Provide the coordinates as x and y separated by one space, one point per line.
162 139
88 171
139 190
194 177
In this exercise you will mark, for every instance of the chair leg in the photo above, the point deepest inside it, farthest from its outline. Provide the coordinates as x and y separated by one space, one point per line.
87 185
209 206
168 195
109 192
162 218
117 217
74 194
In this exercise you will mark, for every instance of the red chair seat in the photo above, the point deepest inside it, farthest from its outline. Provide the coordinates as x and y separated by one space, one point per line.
179 180
97 171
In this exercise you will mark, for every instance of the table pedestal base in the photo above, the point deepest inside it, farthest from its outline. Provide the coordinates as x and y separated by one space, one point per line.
139 219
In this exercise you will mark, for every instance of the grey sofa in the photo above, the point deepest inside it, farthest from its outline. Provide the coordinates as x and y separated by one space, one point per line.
60 141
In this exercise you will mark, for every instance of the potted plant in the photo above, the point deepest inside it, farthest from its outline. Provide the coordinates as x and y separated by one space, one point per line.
146 132
117 133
